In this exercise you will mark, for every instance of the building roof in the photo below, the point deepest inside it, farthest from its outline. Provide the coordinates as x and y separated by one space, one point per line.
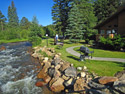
110 18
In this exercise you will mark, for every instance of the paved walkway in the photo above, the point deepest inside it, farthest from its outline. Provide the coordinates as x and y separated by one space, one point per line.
71 51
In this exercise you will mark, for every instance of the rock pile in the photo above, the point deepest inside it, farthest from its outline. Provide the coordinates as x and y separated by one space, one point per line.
108 85
61 76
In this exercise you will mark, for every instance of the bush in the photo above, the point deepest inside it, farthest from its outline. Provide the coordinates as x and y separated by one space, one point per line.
35 40
112 44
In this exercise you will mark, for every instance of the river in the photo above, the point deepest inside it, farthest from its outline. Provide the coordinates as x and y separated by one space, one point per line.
18 70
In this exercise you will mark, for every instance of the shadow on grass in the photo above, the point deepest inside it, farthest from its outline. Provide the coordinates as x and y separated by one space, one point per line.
121 64
72 57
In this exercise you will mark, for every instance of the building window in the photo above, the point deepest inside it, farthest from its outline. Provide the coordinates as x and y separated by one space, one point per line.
108 32
115 25
113 31
102 32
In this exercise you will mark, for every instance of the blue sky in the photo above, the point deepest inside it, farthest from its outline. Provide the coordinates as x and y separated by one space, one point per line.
28 8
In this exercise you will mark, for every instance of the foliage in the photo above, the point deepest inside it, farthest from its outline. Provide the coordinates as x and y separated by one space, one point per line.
35 20
35 40
74 28
24 23
14 33
2 21
88 17
60 11
113 44
50 30
12 15
35 35
105 8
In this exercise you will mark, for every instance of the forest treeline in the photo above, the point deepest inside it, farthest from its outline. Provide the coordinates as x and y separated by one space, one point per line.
74 19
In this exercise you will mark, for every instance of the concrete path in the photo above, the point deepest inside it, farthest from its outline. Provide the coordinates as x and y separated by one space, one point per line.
71 51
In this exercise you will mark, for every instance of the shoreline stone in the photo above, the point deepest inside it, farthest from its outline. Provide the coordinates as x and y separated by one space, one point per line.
60 76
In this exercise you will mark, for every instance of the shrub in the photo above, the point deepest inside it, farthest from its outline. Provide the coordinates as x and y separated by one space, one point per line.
112 44
35 40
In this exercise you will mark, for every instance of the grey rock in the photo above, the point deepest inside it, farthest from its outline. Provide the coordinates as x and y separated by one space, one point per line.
120 86
93 91
120 75
71 71
69 82
56 61
95 85
51 72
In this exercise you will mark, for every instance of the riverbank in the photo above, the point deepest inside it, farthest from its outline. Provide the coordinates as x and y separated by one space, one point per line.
13 40
62 77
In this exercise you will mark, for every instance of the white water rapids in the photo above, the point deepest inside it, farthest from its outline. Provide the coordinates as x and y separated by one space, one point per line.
17 70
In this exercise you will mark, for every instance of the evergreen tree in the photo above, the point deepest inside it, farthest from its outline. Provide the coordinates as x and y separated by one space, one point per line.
88 17
24 23
35 20
2 21
12 15
74 29
105 8
60 11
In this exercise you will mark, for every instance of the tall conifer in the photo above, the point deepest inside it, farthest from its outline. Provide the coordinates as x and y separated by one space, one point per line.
12 15
2 21
60 11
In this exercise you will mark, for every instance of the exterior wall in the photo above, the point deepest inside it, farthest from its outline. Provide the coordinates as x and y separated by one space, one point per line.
121 23
111 25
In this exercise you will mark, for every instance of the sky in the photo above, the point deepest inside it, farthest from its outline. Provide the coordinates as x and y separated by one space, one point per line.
29 8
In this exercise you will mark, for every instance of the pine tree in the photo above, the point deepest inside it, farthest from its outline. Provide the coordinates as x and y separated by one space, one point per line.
2 21
105 8
35 20
74 28
60 11
88 17
24 23
12 15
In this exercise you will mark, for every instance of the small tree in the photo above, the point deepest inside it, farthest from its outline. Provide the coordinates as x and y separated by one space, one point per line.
35 20
24 23
2 21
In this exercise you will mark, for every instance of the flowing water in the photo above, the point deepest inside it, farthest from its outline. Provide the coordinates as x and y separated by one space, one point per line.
18 70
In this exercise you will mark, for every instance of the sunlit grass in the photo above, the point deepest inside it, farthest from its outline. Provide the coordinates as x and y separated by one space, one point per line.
102 68
13 40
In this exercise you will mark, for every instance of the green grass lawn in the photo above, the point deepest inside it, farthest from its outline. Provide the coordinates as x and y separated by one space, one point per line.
13 40
102 68
104 53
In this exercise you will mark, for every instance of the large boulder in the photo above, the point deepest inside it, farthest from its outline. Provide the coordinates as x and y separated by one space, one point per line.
69 82
96 85
2 48
79 85
120 75
71 71
40 83
105 80
64 66
43 73
51 72
94 91
65 77
47 79
57 86
120 86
